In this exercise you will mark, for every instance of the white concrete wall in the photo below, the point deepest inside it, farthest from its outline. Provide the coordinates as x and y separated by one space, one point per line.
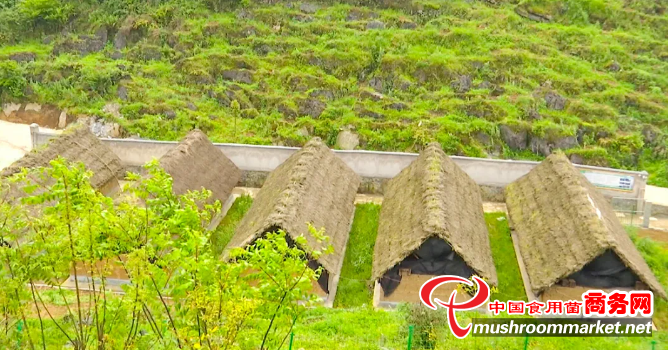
489 172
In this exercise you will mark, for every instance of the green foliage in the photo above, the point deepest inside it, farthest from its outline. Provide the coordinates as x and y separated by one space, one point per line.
45 13
6 4
13 273
656 257
427 324
12 81
182 295
291 279
355 285
54 224
220 5
652 161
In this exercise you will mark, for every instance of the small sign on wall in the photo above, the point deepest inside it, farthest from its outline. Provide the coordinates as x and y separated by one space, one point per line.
610 181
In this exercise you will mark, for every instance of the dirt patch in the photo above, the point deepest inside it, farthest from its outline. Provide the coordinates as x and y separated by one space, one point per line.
45 116
656 235
407 291
494 207
56 311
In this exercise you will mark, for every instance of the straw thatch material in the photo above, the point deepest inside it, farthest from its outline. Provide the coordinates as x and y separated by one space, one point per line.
312 186
195 163
563 222
433 197
75 145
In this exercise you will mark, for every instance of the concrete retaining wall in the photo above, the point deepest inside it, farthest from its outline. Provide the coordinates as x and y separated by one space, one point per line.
659 210
375 167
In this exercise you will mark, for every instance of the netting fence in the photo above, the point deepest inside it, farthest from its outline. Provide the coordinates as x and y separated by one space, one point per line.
629 211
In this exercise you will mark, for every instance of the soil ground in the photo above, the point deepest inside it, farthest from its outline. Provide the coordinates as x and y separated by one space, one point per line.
656 235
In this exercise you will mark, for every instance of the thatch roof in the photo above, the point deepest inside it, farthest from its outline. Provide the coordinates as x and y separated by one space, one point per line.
195 163
75 145
433 197
563 222
312 186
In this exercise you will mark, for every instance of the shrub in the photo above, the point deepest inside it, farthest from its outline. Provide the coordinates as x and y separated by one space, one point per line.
163 246
12 81
221 5
7 4
426 323
45 13
99 79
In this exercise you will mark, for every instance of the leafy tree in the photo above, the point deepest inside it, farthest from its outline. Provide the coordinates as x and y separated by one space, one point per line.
55 225
66 235
13 295
284 280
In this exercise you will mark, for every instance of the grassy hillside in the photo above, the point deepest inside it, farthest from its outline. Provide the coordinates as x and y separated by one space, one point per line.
507 79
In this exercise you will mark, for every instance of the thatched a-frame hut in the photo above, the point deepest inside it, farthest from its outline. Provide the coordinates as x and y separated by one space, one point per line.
431 223
76 145
195 163
569 236
312 186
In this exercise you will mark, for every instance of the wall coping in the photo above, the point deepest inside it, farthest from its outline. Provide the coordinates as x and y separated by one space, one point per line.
368 164
381 153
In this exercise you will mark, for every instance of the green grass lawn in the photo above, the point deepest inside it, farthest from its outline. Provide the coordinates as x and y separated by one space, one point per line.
225 230
353 329
364 328
656 256
355 286
368 329
445 340
511 286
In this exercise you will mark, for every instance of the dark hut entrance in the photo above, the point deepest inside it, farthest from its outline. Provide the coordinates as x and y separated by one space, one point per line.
321 286
434 257
607 272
